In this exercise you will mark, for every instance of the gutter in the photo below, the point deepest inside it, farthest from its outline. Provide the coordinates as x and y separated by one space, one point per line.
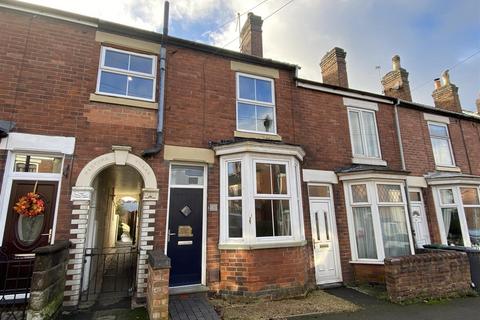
161 99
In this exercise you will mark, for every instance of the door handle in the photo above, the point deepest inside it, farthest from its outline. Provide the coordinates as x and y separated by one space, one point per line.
49 234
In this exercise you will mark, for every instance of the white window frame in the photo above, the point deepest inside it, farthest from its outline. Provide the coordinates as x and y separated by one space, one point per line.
440 124
249 195
256 102
102 67
362 128
458 204
374 203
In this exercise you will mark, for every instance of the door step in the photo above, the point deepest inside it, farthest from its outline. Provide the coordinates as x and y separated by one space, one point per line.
197 288
330 285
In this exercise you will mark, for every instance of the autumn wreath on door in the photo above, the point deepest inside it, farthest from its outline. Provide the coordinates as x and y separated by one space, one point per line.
31 204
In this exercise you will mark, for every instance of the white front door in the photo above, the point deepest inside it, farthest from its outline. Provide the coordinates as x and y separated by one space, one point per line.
420 225
325 243
419 219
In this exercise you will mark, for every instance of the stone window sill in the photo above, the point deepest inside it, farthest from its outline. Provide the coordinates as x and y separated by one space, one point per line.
250 135
366 262
123 101
370 161
255 246
450 169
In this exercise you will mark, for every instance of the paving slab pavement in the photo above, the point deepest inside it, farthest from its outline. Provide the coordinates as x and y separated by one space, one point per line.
461 308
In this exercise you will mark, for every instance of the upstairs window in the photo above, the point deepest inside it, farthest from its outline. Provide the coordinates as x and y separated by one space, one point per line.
255 104
363 133
127 74
442 148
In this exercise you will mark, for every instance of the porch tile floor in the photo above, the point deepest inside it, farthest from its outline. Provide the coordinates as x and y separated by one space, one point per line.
191 307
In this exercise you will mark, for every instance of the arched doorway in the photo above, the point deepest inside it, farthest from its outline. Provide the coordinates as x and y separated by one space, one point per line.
114 202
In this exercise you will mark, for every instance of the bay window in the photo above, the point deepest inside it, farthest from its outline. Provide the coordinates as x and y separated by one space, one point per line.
458 213
260 200
378 220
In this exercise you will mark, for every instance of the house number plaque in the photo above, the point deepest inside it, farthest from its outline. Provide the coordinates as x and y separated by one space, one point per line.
185 231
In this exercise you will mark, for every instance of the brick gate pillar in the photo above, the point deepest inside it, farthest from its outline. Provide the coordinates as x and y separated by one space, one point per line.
158 278
146 232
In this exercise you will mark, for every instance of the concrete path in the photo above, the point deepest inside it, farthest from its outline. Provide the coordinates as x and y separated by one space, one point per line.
374 309
191 307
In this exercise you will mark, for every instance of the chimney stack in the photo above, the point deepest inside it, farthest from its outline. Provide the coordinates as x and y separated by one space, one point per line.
445 95
395 83
334 67
251 36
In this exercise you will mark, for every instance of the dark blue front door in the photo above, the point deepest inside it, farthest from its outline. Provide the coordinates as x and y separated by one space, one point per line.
185 240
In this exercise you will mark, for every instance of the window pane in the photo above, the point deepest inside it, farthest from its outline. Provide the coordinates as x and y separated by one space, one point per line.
263 218
473 222
140 87
389 193
38 164
394 231
246 88
356 133
364 234
441 152
246 117
359 193
439 131
263 90
271 178
272 218
318 191
186 175
451 222
141 64
116 59
113 83
279 177
415 196
370 132
235 218
234 179
446 196
281 215
265 119
470 196
264 181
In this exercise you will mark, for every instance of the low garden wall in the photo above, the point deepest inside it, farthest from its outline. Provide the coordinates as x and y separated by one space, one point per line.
431 275
48 281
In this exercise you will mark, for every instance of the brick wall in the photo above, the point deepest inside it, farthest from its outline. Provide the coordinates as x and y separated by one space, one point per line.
428 275
274 273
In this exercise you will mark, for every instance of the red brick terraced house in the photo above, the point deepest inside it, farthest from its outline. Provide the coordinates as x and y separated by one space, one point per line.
253 181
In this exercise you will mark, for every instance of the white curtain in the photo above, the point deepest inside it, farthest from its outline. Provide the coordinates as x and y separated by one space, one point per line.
364 234
447 219
370 134
356 133
394 231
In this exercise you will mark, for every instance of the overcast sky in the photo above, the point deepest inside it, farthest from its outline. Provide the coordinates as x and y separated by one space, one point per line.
429 35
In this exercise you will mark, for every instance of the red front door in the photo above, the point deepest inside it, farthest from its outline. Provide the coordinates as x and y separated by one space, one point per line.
24 234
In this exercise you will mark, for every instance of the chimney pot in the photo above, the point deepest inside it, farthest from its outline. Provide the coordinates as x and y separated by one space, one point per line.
395 83
396 63
477 102
334 68
251 36
445 95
